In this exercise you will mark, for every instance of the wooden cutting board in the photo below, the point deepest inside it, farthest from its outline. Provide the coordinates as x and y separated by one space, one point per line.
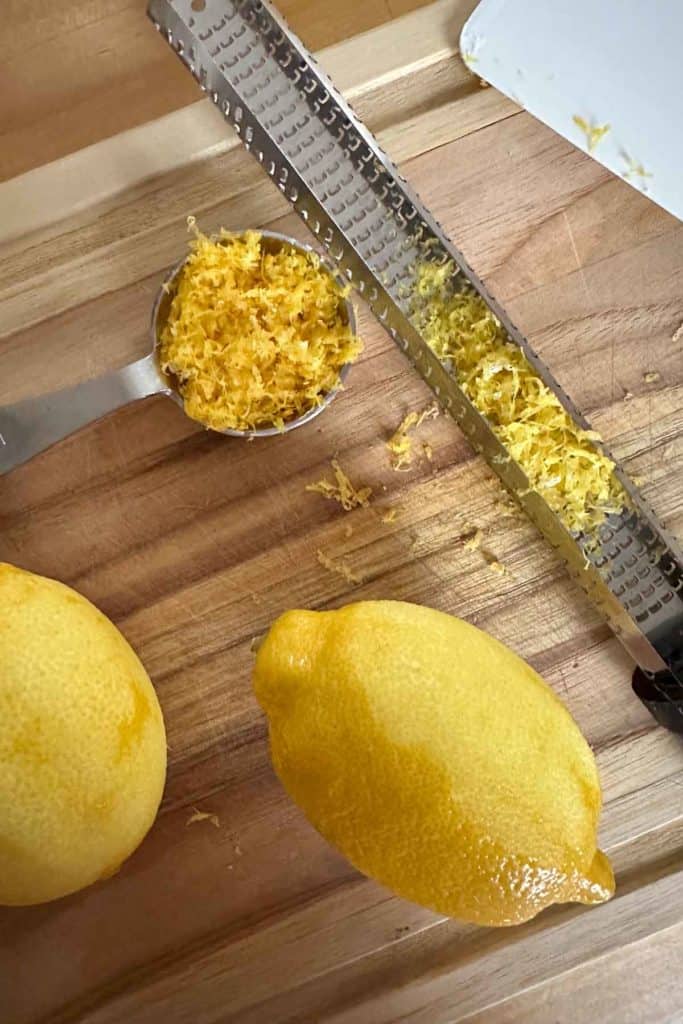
194 543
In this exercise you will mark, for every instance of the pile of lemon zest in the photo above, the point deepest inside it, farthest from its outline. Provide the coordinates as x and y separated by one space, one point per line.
254 338
342 491
651 377
341 568
561 461
400 444
203 816
593 133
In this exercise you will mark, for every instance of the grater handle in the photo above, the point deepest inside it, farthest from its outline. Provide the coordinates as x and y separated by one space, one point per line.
31 426
662 695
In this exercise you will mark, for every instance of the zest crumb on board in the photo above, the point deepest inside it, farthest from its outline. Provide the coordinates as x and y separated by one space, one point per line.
340 568
400 444
389 515
473 539
342 490
198 815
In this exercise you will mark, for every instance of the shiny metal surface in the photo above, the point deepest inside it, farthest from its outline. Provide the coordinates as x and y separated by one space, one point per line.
35 424
376 230
31 426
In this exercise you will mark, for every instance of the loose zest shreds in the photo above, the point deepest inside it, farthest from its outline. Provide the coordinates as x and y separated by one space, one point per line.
473 539
400 444
559 459
593 133
342 490
203 816
341 568
254 338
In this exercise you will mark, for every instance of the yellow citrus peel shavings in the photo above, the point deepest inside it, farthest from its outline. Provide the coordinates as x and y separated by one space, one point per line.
634 167
203 816
254 338
473 539
496 566
389 515
559 459
400 444
593 133
342 490
508 509
341 568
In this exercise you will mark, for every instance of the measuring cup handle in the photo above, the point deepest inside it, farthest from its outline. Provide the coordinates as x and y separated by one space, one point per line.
29 427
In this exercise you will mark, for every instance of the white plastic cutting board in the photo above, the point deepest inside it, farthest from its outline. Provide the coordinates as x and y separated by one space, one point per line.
606 62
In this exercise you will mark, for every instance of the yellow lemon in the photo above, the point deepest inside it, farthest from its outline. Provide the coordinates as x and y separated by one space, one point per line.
435 759
82 742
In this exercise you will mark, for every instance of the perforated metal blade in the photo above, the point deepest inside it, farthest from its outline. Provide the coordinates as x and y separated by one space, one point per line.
369 220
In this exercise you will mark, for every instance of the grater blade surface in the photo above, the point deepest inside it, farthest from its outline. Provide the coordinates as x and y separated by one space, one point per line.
373 225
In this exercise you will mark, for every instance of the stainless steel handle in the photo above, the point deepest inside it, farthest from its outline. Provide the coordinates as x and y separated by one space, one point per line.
31 426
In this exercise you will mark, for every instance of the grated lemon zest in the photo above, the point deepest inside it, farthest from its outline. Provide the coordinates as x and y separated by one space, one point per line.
343 491
634 167
341 568
203 816
593 133
559 458
473 539
400 444
254 338
497 567
389 515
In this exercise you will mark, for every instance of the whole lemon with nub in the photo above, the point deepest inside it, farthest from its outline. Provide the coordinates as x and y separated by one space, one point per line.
82 742
435 759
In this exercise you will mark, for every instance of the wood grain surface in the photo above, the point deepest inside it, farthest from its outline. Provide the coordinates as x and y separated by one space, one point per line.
194 543
77 71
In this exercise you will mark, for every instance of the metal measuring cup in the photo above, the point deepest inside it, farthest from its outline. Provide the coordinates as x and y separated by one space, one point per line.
34 424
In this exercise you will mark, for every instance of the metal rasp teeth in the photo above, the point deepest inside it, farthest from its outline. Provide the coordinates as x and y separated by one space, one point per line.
369 220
